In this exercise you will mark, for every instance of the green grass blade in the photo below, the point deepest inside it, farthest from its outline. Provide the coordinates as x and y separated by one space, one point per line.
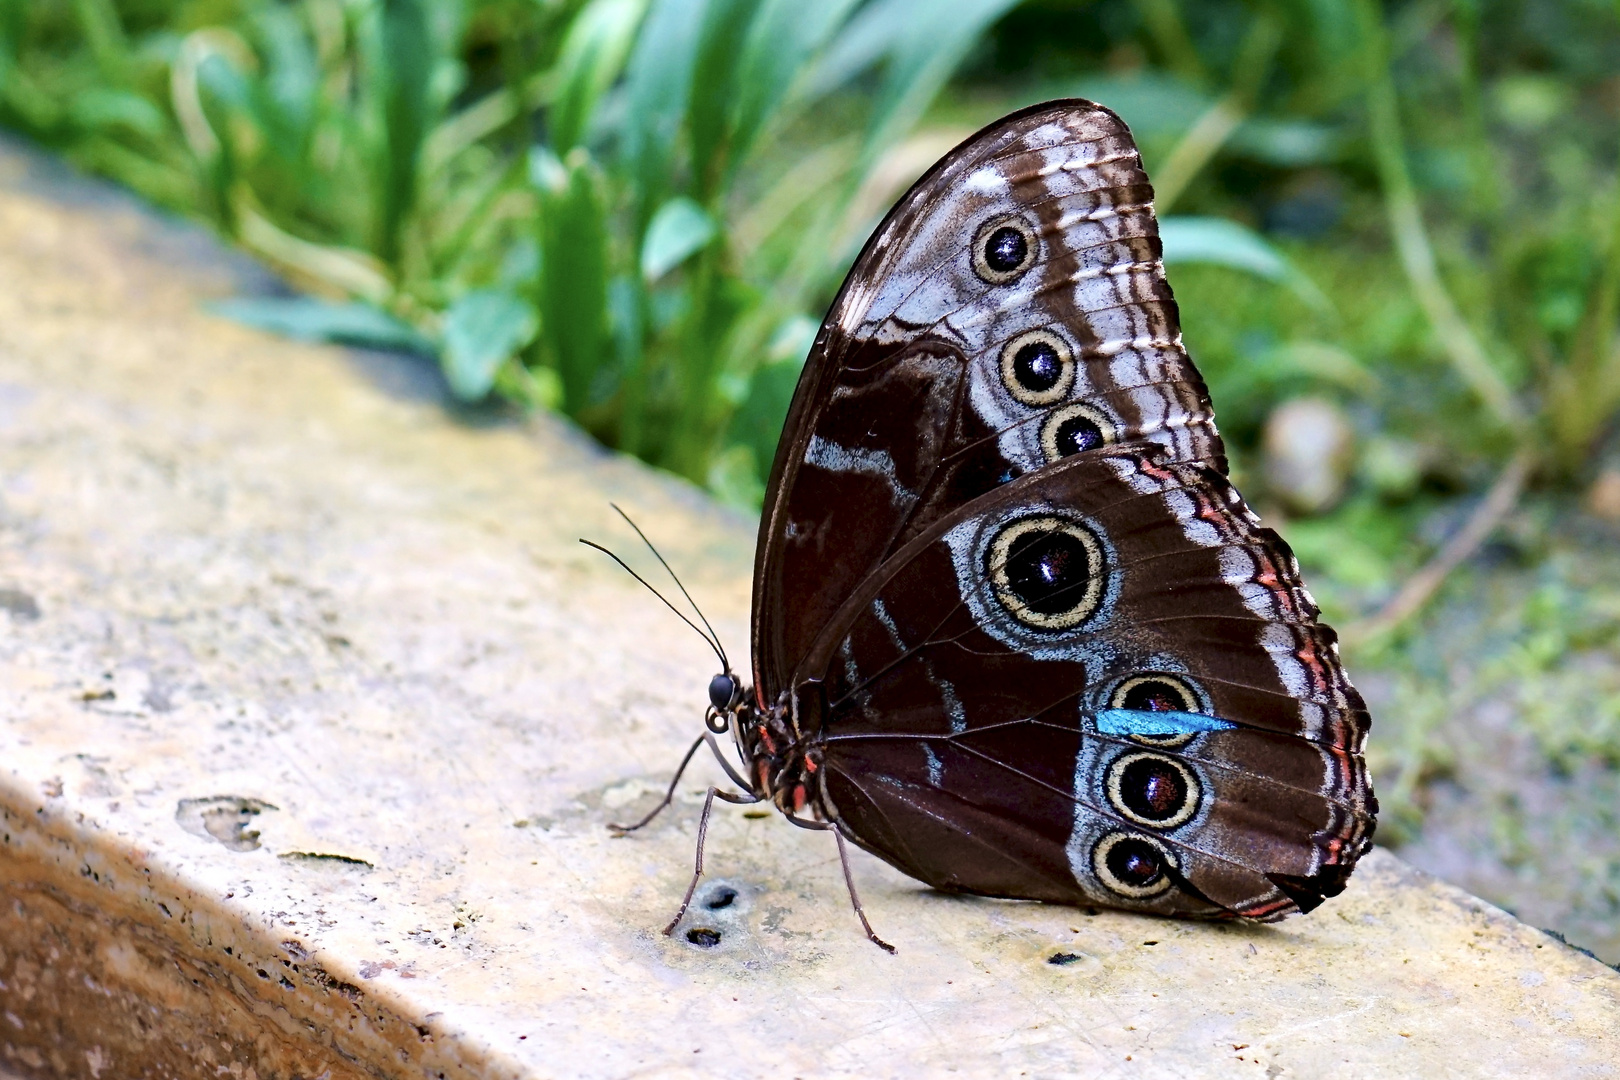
574 272
593 54
104 34
930 45
866 39
713 94
660 82
286 95
784 36
404 72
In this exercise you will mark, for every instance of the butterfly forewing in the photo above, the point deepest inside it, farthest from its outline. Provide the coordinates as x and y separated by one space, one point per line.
1011 310
1035 641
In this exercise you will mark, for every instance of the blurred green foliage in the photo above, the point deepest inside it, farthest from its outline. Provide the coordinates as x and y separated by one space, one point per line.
635 211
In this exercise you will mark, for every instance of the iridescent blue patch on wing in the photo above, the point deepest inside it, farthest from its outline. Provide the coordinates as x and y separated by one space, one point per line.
1158 724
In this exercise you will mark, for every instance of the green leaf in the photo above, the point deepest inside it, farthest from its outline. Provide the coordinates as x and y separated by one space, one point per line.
921 41
1220 242
784 36
308 319
104 33
658 87
403 79
483 330
573 271
1289 144
1153 105
758 421
592 56
676 232
863 42
288 93
713 94
99 108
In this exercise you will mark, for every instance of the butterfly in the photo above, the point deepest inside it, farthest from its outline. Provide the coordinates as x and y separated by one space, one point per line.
1014 631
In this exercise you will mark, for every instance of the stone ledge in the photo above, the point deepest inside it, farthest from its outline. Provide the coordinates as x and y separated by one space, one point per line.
317 714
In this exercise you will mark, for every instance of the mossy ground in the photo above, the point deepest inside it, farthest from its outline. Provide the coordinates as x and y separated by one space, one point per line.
1496 732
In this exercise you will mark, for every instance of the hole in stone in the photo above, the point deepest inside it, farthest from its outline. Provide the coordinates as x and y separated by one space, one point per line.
703 937
1060 959
722 897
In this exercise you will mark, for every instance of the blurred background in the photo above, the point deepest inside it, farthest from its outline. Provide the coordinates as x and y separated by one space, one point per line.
1394 231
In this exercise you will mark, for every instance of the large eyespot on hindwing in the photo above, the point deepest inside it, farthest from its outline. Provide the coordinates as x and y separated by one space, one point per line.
1047 571
1158 692
1153 790
1003 248
1132 865
1076 428
1037 368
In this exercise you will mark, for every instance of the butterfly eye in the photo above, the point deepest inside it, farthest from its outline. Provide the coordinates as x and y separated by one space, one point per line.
1153 790
722 692
1037 367
1131 865
1074 429
1004 248
1047 572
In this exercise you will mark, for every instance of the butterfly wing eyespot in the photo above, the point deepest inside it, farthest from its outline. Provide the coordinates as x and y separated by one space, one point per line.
1003 248
1133 865
1075 429
1159 692
1153 790
1048 572
1037 368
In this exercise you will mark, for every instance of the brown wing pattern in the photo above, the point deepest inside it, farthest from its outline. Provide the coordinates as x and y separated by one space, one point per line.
998 528
912 403
981 700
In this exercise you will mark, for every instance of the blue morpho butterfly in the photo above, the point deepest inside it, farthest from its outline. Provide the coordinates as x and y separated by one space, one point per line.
1014 632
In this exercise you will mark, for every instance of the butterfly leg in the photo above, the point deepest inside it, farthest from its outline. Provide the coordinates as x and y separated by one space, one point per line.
703 833
854 897
849 878
719 755
668 795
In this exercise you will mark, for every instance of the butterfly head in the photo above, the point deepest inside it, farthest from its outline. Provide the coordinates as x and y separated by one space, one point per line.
724 692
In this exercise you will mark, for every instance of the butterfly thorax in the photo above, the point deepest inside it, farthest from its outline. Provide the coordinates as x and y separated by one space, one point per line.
782 765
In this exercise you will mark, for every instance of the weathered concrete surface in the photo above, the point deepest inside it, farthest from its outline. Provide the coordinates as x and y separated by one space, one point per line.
313 712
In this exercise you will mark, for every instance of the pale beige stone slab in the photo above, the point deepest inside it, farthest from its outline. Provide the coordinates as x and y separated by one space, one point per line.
306 755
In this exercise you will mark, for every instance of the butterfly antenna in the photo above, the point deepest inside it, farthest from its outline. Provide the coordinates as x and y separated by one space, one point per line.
714 636
710 642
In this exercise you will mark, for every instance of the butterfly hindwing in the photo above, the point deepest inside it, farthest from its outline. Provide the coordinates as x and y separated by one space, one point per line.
1111 668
